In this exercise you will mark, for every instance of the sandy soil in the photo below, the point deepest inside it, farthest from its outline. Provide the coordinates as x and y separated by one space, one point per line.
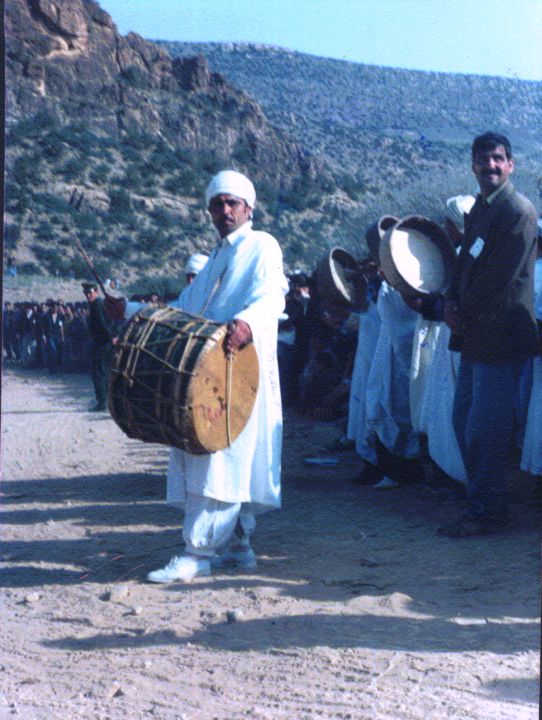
356 610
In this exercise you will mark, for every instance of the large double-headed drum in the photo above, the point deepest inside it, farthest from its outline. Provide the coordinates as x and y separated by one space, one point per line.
172 382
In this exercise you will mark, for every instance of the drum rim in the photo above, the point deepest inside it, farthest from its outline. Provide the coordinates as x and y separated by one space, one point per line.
437 235
327 275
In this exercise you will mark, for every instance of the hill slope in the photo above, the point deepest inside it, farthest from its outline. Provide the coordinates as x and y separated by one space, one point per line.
404 134
140 127
139 132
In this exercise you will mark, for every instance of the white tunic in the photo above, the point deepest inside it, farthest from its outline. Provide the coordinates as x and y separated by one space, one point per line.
388 405
244 280
369 329
437 408
423 349
531 459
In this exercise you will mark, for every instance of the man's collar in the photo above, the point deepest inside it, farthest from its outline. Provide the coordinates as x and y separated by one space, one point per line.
491 198
236 235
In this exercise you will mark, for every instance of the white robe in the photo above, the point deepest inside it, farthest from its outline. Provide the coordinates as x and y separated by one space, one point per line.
531 459
388 405
369 329
423 349
252 288
437 408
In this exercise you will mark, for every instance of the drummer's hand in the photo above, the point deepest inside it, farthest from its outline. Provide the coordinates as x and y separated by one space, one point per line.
239 335
114 340
452 317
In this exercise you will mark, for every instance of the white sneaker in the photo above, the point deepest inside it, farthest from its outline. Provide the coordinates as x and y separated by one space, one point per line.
386 484
241 557
184 567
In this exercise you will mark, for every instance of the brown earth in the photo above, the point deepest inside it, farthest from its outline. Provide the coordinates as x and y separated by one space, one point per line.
357 609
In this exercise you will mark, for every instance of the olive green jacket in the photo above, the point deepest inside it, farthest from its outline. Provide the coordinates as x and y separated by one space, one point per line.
493 281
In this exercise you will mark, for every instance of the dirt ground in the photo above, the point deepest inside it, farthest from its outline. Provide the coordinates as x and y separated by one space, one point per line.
356 610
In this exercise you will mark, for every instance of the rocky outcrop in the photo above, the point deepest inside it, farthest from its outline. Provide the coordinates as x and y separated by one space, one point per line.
66 56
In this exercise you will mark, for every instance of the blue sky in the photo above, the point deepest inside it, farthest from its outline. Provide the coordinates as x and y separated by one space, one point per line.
487 37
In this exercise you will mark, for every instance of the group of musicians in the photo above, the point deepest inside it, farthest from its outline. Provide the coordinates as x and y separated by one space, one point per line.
488 308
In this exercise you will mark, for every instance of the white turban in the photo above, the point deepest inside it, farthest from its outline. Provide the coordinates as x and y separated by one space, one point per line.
456 208
195 263
230 182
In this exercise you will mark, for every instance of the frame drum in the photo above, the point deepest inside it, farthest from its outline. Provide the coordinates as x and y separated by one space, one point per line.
417 257
340 279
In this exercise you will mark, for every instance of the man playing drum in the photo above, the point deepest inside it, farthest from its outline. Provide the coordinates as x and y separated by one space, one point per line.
242 284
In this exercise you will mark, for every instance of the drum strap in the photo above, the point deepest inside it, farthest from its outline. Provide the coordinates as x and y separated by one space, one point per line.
213 292
229 357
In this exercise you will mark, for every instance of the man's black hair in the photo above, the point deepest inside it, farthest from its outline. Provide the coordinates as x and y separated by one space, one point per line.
489 141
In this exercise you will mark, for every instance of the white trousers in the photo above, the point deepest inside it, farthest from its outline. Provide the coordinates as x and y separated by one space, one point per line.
210 525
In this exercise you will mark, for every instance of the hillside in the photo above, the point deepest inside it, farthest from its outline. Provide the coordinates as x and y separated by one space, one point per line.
326 94
383 126
138 132
141 126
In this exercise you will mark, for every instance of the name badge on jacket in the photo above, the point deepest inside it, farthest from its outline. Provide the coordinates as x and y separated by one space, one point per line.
476 247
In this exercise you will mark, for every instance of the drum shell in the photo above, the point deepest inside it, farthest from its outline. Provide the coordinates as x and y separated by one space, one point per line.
169 382
435 236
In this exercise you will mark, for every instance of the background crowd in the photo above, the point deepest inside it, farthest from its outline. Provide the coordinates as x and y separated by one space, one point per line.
51 334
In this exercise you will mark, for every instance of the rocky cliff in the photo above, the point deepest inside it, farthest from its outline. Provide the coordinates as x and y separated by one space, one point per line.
138 131
67 56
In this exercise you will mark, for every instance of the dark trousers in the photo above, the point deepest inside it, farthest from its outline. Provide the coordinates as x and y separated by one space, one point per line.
101 358
53 354
489 407
11 344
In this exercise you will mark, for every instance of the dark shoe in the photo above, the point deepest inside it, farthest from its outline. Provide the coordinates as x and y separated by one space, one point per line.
342 444
368 476
468 526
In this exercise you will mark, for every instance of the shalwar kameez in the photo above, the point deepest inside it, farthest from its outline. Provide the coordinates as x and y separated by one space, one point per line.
248 267
438 398
369 329
241 284
424 345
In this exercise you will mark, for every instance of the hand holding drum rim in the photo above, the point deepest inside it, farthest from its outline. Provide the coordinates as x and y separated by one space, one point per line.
239 334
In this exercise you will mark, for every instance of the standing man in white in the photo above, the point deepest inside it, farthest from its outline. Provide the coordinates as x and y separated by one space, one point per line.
242 284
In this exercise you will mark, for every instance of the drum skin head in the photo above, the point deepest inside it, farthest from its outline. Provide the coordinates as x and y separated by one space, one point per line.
417 256
339 277
172 383
207 395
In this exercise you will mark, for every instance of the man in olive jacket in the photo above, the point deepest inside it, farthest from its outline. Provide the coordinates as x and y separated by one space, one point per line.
102 344
490 311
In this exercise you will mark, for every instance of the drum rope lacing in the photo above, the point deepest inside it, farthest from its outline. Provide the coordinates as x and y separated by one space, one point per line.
136 415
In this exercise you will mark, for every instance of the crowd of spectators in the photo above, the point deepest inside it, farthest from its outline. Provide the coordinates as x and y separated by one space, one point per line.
51 334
